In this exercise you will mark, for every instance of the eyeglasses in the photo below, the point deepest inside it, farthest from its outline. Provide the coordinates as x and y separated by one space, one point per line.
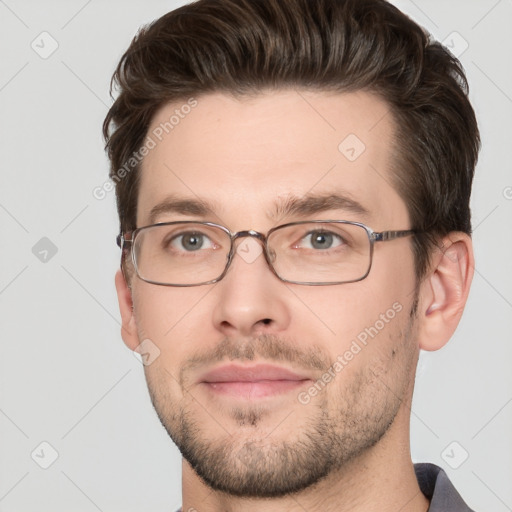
317 252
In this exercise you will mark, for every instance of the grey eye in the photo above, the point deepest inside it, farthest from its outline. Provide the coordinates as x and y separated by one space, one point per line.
321 240
191 242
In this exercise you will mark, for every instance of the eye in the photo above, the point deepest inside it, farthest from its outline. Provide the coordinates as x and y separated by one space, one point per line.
192 241
320 240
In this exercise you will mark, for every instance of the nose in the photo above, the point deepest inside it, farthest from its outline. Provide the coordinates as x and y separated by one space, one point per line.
250 300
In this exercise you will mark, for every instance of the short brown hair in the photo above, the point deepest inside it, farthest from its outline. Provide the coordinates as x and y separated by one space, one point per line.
242 47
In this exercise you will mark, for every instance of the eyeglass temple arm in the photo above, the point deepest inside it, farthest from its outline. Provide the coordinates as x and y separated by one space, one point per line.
391 235
122 239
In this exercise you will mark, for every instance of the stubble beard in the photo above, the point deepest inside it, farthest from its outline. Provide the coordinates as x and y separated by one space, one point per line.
341 426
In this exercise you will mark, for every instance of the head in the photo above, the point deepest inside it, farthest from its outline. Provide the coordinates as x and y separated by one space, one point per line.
252 114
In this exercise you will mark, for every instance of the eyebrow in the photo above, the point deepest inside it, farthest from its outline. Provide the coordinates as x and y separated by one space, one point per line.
309 204
182 206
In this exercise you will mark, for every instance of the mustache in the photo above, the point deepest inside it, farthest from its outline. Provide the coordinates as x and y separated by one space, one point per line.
265 346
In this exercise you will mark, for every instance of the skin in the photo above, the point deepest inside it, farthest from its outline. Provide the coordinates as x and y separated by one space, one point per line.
244 156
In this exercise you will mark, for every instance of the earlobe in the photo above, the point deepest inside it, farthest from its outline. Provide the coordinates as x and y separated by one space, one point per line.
445 290
128 325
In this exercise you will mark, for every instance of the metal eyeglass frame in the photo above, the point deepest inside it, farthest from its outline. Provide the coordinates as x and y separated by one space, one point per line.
384 236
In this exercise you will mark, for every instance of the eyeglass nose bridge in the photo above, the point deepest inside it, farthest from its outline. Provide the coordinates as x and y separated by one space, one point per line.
251 233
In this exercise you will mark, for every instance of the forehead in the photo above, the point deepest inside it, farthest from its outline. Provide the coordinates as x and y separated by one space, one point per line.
250 156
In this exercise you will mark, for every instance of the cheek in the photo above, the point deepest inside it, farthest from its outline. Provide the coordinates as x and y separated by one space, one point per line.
360 324
341 313
381 354
171 317
393 268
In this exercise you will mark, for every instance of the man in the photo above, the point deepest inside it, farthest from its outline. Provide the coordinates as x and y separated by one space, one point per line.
293 183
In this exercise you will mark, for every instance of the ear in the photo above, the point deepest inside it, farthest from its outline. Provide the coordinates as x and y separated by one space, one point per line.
128 325
444 292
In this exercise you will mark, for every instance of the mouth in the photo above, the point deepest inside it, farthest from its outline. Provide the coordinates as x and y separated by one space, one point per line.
252 382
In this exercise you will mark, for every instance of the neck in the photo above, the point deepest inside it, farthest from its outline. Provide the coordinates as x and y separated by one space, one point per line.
380 480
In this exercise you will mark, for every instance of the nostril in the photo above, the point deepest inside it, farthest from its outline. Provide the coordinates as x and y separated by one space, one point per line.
266 321
225 324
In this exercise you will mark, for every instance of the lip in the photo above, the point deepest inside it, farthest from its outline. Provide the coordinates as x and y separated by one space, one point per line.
249 382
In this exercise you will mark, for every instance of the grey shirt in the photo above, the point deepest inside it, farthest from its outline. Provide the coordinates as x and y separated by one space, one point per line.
436 486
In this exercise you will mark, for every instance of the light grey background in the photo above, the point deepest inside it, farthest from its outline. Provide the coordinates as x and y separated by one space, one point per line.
65 376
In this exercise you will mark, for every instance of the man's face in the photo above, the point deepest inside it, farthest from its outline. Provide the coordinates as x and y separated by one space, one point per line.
220 384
